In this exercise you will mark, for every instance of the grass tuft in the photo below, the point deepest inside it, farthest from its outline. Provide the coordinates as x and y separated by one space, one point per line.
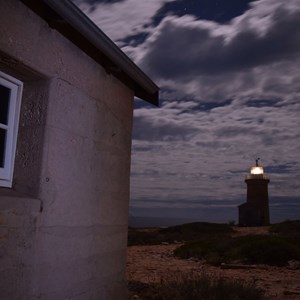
195 286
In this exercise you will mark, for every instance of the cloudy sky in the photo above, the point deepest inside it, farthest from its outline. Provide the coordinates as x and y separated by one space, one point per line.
229 75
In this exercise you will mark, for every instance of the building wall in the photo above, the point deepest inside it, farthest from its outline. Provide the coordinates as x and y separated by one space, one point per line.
258 198
63 226
255 212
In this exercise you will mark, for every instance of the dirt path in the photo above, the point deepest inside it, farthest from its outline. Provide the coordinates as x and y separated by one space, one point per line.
152 263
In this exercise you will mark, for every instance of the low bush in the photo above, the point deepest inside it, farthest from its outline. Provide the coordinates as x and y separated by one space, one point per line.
252 249
185 232
289 229
137 237
196 228
194 287
212 250
271 250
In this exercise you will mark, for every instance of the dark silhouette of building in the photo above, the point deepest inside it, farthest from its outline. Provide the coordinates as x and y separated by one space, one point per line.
255 212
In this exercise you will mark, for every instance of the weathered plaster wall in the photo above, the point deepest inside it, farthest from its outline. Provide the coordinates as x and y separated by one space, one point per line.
63 227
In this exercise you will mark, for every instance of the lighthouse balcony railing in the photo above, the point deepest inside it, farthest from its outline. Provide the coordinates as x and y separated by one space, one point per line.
256 176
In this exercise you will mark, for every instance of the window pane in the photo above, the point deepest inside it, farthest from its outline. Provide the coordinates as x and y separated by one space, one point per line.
2 146
4 103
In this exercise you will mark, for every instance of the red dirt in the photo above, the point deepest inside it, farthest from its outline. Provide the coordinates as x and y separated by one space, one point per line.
153 263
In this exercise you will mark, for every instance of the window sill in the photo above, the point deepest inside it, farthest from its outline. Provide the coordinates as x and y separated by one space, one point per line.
12 200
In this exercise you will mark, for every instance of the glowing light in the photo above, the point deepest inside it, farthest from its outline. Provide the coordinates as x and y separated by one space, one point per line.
257 170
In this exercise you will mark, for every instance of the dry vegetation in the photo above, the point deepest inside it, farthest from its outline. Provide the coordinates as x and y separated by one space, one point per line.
153 270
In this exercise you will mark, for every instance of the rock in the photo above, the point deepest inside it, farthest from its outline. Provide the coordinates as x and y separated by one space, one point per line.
293 264
192 259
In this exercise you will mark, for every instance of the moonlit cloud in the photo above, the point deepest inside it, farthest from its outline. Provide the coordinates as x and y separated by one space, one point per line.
120 19
229 93
245 56
211 161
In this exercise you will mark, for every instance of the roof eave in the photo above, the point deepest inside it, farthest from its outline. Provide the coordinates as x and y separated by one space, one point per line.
143 86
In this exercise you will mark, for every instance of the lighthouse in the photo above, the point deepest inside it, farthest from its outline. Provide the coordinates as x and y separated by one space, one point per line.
255 212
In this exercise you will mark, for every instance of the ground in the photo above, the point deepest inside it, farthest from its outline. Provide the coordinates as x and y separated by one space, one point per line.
153 263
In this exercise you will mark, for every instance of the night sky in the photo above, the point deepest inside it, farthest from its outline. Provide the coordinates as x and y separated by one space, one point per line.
229 75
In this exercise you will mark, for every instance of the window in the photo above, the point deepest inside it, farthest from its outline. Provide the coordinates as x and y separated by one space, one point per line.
10 103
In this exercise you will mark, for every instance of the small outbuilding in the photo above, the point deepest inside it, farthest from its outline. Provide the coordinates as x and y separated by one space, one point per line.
66 111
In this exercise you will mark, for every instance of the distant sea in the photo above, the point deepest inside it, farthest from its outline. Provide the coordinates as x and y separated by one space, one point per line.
281 209
157 222
276 216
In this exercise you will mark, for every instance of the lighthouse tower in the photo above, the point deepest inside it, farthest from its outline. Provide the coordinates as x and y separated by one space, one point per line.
255 212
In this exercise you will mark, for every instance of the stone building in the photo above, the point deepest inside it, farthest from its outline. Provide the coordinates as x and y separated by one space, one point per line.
66 110
255 212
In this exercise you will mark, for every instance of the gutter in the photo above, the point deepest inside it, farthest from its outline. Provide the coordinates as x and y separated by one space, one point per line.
144 87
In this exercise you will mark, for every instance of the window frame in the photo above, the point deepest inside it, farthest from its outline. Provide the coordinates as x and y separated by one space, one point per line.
16 89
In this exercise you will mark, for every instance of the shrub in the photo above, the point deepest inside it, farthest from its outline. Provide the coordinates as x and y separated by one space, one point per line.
272 250
200 228
136 237
192 286
287 228
185 232
212 250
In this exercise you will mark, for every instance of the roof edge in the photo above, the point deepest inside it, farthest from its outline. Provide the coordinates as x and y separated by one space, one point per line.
144 87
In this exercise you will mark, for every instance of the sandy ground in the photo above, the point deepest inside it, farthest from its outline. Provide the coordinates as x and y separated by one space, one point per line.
152 263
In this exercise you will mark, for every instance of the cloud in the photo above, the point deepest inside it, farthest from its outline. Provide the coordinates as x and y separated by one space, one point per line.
216 153
95 2
229 94
220 11
208 60
164 125
206 47
122 19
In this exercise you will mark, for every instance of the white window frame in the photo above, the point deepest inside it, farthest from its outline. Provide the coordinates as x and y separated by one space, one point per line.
16 88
